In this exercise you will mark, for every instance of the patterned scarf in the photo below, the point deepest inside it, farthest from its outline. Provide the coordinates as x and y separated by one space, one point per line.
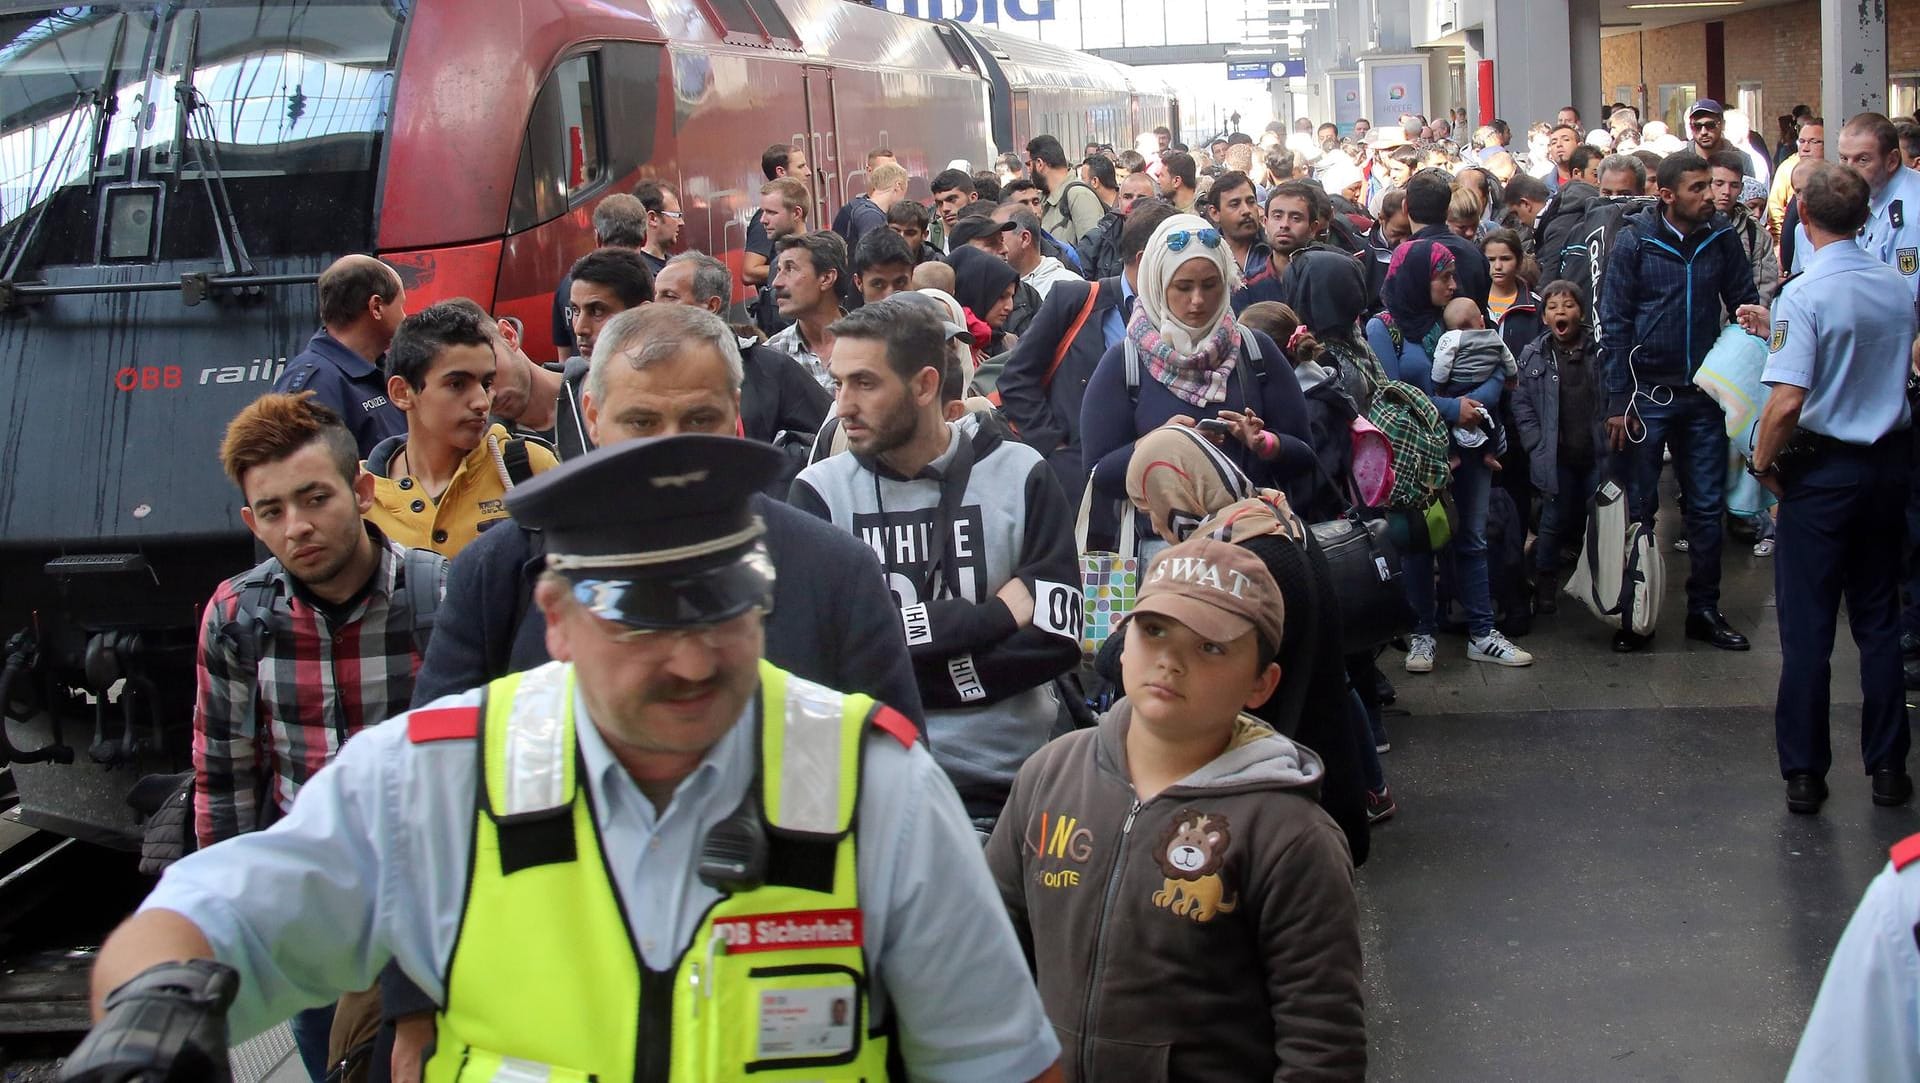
1198 378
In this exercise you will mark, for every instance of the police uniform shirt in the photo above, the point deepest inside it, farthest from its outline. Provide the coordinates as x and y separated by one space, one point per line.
347 384
1892 234
372 863
1866 1021
474 500
1835 335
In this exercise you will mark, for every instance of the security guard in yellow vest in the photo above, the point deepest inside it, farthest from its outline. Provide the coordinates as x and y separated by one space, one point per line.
655 858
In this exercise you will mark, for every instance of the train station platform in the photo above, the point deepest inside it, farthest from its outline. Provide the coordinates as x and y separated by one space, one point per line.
1593 874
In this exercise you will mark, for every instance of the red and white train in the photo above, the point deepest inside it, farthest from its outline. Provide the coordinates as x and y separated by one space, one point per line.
174 176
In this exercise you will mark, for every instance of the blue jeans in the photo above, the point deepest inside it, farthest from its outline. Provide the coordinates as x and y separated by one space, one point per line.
1693 424
1472 484
1564 515
311 1031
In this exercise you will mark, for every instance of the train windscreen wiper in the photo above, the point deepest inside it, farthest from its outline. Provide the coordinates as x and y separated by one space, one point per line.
193 119
99 102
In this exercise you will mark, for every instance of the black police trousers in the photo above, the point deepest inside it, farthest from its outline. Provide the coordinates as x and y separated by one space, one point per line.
1841 532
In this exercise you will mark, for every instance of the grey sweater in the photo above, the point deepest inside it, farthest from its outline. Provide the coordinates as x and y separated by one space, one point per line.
986 681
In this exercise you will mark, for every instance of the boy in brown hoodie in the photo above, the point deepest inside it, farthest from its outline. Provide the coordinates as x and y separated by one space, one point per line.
1188 907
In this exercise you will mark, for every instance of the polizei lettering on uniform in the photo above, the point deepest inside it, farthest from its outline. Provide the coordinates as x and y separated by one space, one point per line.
778 932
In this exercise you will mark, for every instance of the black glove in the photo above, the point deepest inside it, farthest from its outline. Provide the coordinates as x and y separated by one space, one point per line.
166 1025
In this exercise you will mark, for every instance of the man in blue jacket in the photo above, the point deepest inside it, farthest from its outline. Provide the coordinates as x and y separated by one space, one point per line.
1674 269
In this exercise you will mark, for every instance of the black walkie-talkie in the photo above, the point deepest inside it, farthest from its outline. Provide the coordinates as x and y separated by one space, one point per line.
734 856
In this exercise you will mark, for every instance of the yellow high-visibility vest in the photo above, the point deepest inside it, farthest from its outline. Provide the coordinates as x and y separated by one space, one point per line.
546 983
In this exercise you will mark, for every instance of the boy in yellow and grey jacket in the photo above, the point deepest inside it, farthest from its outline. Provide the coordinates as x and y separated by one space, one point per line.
446 480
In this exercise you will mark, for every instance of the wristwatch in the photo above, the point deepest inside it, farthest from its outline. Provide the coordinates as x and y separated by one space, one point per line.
1767 473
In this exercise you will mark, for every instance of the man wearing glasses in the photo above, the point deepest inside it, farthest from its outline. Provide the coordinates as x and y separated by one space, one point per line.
658 821
1810 145
663 222
1707 121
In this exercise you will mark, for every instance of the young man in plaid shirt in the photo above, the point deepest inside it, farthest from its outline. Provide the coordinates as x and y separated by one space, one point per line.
315 644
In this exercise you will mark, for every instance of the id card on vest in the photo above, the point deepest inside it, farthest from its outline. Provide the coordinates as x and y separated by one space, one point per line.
815 1022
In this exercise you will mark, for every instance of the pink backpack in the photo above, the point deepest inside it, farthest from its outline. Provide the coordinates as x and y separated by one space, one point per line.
1372 463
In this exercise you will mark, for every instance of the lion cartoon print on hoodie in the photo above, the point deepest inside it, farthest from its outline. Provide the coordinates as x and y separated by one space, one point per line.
1191 851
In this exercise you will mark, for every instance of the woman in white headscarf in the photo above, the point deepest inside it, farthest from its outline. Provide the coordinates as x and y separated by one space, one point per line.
1183 359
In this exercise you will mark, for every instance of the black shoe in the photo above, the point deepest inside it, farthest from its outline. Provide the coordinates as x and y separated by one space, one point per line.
1912 667
1909 645
1625 642
1383 689
1546 596
1708 626
1891 788
1805 793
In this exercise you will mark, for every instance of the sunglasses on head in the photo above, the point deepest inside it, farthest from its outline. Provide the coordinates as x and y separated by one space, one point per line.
1177 242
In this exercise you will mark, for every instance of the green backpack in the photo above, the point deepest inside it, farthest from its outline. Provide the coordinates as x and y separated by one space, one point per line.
1414 427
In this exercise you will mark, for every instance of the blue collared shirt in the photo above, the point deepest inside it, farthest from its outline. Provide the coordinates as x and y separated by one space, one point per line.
1892 234
1115 325
371 864
1836 335
1866 1021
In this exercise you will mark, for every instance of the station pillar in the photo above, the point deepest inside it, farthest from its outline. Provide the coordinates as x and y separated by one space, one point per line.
1531 77
1853 61
1589 93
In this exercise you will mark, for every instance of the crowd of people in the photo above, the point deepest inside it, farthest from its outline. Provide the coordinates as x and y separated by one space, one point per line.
1162 715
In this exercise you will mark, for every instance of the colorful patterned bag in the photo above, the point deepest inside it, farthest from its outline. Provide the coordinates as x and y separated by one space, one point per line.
1109 580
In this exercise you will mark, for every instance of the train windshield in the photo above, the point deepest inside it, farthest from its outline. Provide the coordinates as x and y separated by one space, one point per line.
137 133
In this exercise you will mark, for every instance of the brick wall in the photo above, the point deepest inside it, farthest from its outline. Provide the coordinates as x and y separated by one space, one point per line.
1779 46
1903 35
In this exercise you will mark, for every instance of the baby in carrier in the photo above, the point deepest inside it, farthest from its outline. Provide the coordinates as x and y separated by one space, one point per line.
1466 357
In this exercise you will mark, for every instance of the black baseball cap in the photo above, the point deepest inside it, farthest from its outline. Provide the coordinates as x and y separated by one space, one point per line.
658 533
1704 105
973 226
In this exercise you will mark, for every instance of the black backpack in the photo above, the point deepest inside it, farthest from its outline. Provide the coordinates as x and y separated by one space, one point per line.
1100 248
1583 261
252 624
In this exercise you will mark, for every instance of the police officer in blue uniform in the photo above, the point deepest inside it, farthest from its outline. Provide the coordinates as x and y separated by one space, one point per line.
362 302
651 764
1865 1026
1833 444
1870 145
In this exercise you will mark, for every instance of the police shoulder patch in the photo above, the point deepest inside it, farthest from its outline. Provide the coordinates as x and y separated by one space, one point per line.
1779 337
1909 261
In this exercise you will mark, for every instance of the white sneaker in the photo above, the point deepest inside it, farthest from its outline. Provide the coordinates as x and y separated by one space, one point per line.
1496 648
1763 547
1420 654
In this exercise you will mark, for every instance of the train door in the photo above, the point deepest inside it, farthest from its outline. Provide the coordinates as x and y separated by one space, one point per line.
823 143
1022 121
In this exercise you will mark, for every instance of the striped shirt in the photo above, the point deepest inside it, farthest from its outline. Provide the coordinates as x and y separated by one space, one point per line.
319 683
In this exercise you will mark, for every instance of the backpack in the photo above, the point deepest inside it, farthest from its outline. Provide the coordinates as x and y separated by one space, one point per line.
252 627
1051 245
1415 432
1099 248
1620 574
1584 259
252 624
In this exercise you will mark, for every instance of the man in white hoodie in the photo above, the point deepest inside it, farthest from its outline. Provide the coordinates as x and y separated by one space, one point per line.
1022 250
975 539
